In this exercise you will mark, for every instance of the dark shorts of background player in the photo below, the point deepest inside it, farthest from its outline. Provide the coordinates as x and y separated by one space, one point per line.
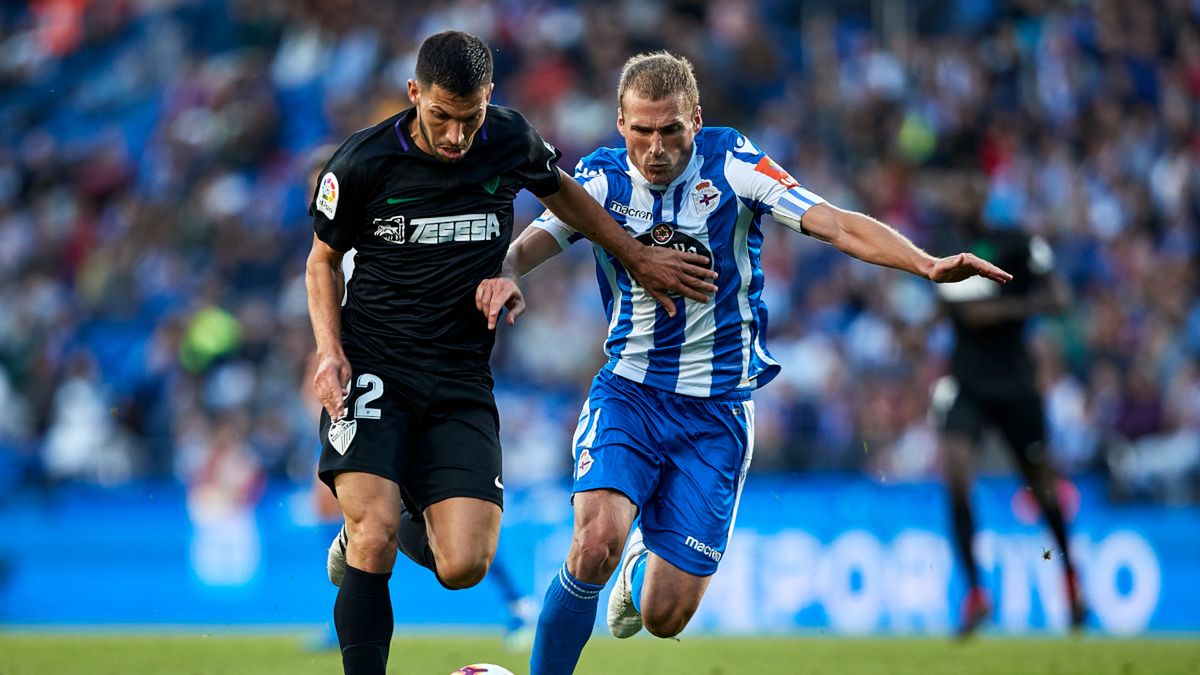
1017 415
434 433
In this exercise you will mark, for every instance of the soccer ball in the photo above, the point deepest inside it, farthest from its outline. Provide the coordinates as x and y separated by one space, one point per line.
482 669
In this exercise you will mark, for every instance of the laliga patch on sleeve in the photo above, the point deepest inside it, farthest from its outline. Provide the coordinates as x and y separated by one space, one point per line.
327 196
776 173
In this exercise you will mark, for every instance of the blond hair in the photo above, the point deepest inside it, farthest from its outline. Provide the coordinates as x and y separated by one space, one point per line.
659 75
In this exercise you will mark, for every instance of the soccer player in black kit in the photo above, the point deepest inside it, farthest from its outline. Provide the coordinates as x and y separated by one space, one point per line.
410 429
992 383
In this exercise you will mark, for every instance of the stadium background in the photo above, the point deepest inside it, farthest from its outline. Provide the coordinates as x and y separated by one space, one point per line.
153 331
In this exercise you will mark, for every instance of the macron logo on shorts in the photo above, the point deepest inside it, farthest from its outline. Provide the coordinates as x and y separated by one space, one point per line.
704 548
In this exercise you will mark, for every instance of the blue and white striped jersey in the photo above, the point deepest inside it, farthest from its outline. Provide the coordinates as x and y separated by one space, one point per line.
713 208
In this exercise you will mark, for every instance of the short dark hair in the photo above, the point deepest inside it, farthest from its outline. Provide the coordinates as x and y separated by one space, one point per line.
456 61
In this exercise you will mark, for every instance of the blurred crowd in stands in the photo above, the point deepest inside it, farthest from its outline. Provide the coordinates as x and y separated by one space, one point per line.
154 184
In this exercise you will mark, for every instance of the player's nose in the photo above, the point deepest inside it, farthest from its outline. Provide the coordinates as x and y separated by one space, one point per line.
455 133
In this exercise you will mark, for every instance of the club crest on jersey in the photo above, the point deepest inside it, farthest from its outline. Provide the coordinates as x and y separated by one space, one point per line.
585 463
662 233
390 229
706 196
771 170
341 434
327 196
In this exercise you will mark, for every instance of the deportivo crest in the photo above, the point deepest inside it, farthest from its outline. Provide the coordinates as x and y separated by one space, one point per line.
390 229
585 463
327 197
706 196
661 234
341 434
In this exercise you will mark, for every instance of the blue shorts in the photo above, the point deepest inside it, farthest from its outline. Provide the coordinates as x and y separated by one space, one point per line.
681 459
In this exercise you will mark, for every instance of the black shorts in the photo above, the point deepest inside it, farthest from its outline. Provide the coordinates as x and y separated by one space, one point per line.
435 435
1018 416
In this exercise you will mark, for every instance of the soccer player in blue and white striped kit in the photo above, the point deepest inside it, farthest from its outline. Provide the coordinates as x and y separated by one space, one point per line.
667 432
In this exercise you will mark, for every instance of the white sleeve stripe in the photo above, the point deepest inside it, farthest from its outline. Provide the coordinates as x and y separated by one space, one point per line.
597 188
555 228
796 201
810 196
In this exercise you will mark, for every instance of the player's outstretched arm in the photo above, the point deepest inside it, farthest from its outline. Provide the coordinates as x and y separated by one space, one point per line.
868 239
325 283
659 270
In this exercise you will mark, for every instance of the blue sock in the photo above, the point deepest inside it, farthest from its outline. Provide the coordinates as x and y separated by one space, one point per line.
637 579
568 614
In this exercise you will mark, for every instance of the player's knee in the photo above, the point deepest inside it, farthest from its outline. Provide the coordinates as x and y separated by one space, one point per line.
594 556
372 541
463 570
666 623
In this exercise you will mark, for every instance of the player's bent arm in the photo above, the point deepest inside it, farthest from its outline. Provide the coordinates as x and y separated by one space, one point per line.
533 247
660 270
869 240
324 281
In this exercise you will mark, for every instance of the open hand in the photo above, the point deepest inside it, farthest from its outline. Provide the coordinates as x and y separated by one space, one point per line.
494 294
964 265
662 271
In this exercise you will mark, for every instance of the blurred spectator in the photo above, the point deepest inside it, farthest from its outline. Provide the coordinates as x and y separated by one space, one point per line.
153 199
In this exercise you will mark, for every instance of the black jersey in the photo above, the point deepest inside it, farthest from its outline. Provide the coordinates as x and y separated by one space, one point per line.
994 358
425 233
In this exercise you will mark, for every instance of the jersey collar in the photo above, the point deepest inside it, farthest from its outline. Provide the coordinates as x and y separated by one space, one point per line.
689 173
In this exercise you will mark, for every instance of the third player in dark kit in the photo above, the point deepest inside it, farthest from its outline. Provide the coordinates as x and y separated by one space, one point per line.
410 428
992 384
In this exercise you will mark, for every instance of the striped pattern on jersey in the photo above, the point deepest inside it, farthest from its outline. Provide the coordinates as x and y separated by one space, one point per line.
713 208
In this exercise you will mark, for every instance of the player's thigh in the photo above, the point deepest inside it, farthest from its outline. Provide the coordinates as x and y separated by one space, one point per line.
1021 420
603 519
371 506
366 497
615 447
690 519
457 449
961 420
463 531
670 596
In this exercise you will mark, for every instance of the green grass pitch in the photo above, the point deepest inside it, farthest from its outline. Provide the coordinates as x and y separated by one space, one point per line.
228 653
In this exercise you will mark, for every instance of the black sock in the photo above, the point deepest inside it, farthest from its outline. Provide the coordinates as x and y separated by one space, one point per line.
498 573
1058 526
964 533
413 539
363 617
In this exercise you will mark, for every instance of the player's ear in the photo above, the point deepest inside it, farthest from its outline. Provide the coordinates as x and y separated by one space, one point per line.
487 95
414 92
620 122
697 118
